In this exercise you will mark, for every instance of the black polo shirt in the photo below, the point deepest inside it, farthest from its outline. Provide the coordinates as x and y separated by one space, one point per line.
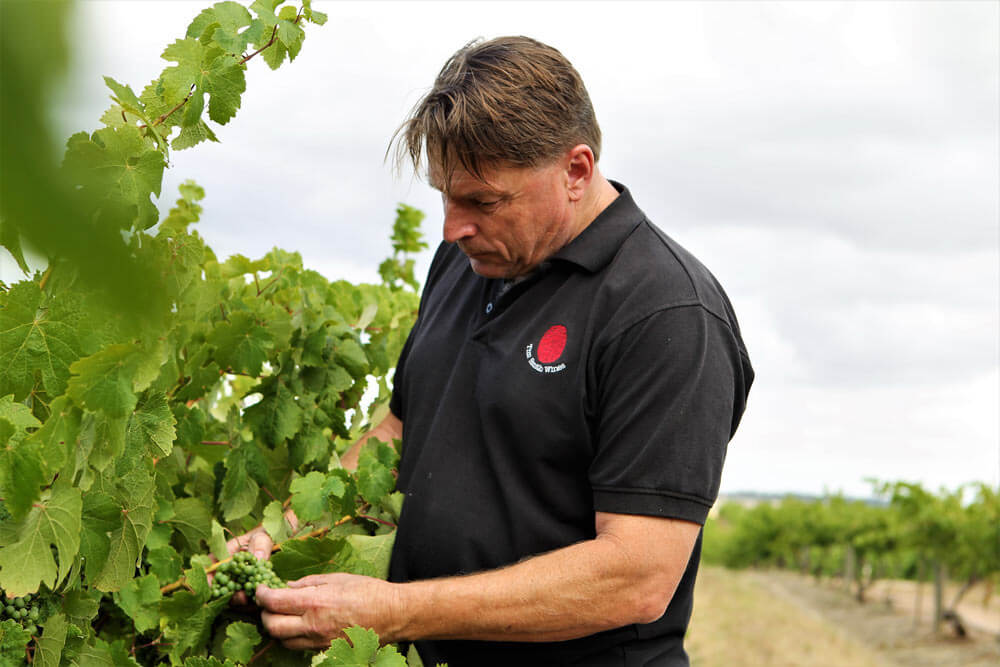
610 380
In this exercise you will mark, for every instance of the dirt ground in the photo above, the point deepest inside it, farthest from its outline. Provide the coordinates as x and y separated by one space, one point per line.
784 619
978 609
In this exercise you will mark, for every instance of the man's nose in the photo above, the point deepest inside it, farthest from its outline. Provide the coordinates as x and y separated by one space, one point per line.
457 223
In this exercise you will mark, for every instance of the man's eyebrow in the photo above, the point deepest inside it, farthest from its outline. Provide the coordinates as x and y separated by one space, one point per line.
479 193
482 193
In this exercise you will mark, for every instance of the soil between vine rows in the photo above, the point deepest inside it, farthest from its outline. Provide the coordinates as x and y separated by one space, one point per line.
784 619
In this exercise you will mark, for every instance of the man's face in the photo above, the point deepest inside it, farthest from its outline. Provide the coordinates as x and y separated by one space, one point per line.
510 223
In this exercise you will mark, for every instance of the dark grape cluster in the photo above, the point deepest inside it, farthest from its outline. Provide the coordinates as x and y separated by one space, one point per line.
23 610
243 573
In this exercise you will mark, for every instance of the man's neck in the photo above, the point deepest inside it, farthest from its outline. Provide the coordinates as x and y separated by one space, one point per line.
598 197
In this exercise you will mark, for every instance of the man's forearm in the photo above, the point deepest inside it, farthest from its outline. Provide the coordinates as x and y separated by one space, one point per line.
387 430
575 591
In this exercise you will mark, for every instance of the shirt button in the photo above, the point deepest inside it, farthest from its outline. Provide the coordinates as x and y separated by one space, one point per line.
489 308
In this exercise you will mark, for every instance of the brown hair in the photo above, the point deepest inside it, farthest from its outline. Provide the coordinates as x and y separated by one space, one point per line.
509 101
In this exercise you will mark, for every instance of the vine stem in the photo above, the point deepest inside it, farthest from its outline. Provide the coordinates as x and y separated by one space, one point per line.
45 278
176 107
261 290
319 532
377 520
267 647
274 35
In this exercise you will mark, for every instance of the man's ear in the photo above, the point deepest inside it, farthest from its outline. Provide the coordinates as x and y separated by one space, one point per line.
580 170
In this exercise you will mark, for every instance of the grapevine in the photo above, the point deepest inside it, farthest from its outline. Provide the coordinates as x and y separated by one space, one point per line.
156 400
912 533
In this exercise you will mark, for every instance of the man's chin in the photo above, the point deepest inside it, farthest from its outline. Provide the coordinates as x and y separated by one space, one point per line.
481 266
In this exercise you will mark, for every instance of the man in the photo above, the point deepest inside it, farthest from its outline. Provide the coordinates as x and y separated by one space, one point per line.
564 400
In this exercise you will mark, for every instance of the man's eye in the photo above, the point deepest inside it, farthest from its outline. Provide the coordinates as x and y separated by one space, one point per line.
487 204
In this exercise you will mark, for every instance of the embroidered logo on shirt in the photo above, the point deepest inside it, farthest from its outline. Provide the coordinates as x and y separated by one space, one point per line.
543 356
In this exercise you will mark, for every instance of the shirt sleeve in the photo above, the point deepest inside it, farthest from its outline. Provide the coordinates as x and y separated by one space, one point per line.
397 406
670 392
397 402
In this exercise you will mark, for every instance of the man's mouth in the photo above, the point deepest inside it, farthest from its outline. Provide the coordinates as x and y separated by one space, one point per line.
474 253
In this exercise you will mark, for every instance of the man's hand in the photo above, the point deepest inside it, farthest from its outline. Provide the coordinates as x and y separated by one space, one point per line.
314 610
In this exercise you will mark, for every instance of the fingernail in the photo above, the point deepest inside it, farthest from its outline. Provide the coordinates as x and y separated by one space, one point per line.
260 555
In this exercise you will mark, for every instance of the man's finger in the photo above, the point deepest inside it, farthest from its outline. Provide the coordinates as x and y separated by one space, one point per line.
238 543
283 626
310 580
280 600
293 521
239 599
260 545
304 643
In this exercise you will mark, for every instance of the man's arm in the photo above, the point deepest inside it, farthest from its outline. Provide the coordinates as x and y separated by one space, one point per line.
387 430
627 574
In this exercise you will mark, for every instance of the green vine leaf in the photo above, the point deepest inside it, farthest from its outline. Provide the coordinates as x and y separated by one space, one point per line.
50 644
210 71
241 343
151 426
244 467
118 516
308 499
360 649
140 600
32 344
10 238
192 518
375 466
277 417
241 638
370 554
274 522
226 19
21 462
57 435
316 555
287 32
119 168
107 381
26 560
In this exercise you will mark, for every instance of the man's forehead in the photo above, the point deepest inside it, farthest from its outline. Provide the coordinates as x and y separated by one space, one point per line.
461 182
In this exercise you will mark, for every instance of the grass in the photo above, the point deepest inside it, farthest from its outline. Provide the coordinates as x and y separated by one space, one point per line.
737 621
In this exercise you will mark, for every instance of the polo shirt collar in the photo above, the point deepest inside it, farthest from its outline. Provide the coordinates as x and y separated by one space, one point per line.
596 246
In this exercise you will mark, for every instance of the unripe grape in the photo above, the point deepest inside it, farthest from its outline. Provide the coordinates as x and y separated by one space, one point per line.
244 573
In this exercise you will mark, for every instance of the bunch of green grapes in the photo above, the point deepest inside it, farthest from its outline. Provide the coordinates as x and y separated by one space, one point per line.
243 573
25 611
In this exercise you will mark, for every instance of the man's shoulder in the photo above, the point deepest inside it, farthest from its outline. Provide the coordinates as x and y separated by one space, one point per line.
652 272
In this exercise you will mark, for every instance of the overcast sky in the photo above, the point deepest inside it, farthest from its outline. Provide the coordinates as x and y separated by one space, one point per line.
834 164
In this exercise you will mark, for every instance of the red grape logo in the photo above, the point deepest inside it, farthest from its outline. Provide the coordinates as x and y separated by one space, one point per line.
550 348
552 344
